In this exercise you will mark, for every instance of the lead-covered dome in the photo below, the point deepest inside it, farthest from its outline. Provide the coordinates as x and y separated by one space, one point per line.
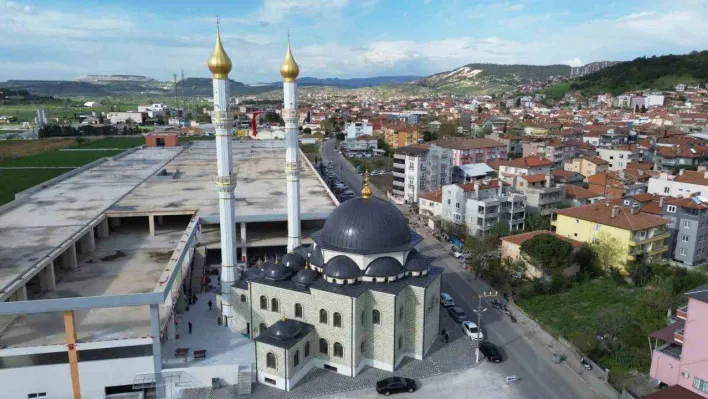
305 277
418 262
294 261
285 329
366 226
277 271
341 267
384 266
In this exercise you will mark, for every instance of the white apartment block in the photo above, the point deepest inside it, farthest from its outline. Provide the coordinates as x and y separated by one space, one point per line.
420 168
652 100
123 117
617 157
474 208
353 130
685 183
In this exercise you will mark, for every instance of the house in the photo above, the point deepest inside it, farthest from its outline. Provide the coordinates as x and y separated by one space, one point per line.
125 117
586 166
618 157
567 177
430 204
398 135
680 349
361 143
638 235
420 168
532 165
685 183
92 104
542 194
511 249
618 184
688 225
553 150
466 151
668 157
471 172
578 196
474 208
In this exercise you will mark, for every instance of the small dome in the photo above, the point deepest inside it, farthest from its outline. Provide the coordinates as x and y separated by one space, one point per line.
285 329
384 266
417 262
316 258
219 62
342 267
294 261
303 251
305 277
277 271
289 69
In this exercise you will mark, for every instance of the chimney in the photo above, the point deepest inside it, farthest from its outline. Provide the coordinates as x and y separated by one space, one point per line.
476 190
548 180
615 211
661 202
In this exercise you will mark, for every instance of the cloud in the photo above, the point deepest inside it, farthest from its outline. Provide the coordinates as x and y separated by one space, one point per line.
574 62
276 11
516 7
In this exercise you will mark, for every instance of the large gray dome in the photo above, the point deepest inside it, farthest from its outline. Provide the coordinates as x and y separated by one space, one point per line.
294 261
285 329
366 226
277 271
341 267
384 266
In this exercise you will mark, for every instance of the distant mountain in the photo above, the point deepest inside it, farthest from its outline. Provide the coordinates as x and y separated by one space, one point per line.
490 77
114 78
203 87
353 83
576 72
661 73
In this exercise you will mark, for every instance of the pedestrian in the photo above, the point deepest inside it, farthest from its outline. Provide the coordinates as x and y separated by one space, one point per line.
189 326
218 320
209 303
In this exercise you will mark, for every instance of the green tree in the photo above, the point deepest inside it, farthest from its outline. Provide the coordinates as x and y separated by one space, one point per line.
272 117
586 259
609 251
535 221
203 118
447 129
429 136
548 252
644 109
340 137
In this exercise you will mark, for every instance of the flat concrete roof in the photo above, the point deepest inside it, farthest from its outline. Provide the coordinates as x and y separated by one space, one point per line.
129 261
260 190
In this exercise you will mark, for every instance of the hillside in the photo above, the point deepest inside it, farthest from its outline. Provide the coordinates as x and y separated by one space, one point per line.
489 77
353 83
661 73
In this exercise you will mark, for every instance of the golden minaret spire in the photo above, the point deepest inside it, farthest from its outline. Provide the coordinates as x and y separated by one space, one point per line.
289 69
366 191
219 62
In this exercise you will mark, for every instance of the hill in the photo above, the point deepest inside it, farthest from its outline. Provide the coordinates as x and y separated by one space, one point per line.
489 77
660 73
354 83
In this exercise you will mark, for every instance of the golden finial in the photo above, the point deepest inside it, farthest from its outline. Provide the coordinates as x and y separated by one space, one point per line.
289 69
366 191
219 62
307 264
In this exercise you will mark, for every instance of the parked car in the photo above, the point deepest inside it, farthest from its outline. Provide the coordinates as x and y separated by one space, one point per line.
395 385
490 352
472 331
340 186
348 193
446 300
457 314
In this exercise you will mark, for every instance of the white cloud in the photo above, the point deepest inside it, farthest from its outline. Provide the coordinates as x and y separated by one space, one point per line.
276 11
574 62
516 7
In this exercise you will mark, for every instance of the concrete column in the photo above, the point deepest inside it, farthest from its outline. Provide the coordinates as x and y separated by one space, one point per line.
156 349
115 222
47 278
159 220
88 242
171 330
151 219
103 230
69 258
244 253
70 331
20 294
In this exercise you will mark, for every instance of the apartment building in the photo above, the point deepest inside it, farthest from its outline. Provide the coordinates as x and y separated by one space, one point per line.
553 150
668 157
466 151
399 135
474 208
681 349
618 184
542 194
578 196
639 235
685 183
511 249
353 130
430 204
619 156
532 165
688 227
128 116
586 166
420 168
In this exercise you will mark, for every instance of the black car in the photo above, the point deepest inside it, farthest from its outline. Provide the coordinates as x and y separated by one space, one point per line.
490 352
458 314
395 385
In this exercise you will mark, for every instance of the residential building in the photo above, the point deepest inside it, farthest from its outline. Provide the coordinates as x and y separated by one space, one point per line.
361 143
474 208
586 166
553 150
352 130
398 135
653 100
420 168
514 143
511 249
618 184
578 196
567 177
618 157
680 360
430 204
532 165
466 151
124 117
685 183
471 172
639 235
668 157
542 194
688 225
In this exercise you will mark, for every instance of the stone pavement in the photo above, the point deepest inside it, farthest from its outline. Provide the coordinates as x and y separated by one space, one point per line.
458 354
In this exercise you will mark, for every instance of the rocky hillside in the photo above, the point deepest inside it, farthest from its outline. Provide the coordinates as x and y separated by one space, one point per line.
114 78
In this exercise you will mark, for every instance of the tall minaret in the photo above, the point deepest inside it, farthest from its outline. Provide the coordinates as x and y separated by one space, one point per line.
289 70
220 66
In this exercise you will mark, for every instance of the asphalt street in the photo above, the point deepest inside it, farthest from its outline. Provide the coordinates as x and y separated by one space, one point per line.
524 355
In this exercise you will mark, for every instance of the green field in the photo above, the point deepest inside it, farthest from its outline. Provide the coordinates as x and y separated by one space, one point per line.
113 142
59 158
14 181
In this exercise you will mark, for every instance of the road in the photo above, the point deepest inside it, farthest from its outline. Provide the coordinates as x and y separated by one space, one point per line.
525 354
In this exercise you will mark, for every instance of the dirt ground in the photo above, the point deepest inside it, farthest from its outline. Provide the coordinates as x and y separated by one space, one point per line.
23 148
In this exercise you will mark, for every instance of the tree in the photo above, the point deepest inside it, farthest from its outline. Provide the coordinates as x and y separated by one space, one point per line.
203 118
609 251
644 109
340 136
480 109
535 221
429 136
580 106
272 117
548 252
636 108
447 129
586 259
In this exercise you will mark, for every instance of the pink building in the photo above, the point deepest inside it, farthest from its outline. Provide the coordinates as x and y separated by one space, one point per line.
683 358
466 151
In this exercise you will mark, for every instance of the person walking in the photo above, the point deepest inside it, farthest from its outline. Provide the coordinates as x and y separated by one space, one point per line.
209 303
189 326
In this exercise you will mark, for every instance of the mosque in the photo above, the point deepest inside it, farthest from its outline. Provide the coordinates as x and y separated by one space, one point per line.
361 295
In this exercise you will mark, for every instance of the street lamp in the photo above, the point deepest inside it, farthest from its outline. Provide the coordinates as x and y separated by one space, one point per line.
479 311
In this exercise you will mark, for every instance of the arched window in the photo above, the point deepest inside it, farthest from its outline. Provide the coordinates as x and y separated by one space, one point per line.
324 348
337 319
363 317
298 310
307 349
270 360
261 328
400 342
338 350
323 316
362 347
296 359
375 316
274 305
243 298
400 313
264 303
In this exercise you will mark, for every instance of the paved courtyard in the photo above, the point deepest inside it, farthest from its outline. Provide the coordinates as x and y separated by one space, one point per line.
458 354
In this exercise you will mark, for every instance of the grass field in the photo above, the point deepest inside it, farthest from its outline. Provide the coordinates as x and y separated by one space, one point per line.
113 142
14 181
59 158
58 110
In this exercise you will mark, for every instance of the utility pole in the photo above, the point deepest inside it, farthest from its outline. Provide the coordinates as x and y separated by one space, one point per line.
184 104
479 311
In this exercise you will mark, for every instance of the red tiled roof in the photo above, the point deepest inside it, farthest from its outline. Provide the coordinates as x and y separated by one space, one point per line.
528 162
595 160
494 183
573 191
689 203
435 196
674 392
601 213
692 177
468 144
534 178
519 239
639 165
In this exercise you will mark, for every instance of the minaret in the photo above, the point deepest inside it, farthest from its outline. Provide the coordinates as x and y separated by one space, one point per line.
289 70
220 66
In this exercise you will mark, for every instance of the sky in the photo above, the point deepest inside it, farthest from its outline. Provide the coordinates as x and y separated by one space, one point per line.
49 39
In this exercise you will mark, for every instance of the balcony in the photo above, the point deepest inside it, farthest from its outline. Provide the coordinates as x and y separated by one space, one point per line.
398 174
682 313
638 240
678 335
